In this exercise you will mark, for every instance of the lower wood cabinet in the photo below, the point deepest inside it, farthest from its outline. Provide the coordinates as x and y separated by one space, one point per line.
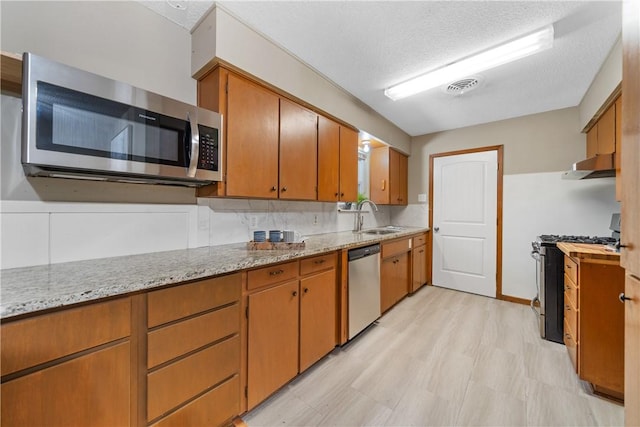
594 323
395 270
70 367
419 264
291 322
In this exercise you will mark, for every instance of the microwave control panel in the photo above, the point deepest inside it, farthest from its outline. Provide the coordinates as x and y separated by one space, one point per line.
208 156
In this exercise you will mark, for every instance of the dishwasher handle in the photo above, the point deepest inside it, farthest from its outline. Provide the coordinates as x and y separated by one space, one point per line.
357 253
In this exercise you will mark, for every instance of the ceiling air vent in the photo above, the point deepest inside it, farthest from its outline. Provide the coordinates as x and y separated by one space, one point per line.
462 86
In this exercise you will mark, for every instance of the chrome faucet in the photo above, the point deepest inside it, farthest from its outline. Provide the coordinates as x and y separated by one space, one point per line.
359 217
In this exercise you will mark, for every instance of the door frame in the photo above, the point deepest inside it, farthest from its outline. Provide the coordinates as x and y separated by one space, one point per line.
500 154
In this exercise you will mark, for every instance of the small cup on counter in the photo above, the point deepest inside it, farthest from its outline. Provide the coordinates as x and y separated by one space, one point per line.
289 236
259 236
275 236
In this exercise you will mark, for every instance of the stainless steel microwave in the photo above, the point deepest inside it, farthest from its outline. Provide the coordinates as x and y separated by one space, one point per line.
80 125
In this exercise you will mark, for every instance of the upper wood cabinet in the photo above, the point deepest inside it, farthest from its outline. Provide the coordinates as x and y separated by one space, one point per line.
298 152
337 162
252 128
601 138
388 176
276 148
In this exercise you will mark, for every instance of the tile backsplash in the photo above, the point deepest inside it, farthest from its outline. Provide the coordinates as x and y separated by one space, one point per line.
39 232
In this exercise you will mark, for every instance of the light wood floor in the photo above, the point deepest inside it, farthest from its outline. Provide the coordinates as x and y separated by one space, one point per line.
442 358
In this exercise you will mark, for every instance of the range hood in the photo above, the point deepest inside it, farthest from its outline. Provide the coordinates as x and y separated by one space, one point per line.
600 166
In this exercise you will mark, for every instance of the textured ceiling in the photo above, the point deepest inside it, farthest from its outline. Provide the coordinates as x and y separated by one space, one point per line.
366 46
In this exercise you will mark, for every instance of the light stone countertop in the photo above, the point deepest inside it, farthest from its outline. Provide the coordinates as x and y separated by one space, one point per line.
30 289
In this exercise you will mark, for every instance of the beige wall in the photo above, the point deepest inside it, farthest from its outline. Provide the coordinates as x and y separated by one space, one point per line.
544 142
121 40
223 36
608 78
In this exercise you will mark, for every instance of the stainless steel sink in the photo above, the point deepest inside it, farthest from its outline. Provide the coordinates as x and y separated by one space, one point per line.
381 231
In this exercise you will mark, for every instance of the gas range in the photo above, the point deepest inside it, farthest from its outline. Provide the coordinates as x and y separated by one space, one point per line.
552 239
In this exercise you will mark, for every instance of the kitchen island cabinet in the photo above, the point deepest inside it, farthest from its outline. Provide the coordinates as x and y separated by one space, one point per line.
594 316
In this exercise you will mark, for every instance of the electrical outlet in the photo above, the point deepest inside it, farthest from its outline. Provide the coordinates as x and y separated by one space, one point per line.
422 197
315 220
253 221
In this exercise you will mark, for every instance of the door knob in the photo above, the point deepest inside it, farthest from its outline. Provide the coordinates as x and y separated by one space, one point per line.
622 297
436 229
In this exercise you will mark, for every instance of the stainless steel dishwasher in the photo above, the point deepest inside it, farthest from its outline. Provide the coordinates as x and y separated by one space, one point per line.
364 287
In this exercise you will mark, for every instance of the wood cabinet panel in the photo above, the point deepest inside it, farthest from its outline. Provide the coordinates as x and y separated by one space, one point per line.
298 152
571 269
348 165
632 349
419 240
398 165
379 176
272 340
601 355
571 291
571 344
592 141
419 267
571 316
395 247
394 280
318 263
180 338
93 389
317 317
271 275
329 160
607 131
34 340
252 139
176 383
211 409
618 158
174 303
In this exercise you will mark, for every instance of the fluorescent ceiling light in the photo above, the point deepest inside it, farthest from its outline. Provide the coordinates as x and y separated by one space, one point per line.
491 58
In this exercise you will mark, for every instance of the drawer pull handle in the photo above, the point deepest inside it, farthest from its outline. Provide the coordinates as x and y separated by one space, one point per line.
319 261
567 307
276 272
622 297
568 266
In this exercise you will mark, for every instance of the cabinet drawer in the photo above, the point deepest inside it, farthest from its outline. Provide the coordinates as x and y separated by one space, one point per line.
572 345
395 247
43 338
180 338
571 291
317 263
178 382
211 409
571 317
181 301
91 390
272 274
571 269
420 240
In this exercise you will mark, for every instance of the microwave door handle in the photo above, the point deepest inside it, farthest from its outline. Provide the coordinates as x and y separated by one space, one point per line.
195 147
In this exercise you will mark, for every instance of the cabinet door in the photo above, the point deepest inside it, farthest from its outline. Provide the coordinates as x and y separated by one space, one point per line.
618 159
90 390
317 317
404 276
272 340
328 160
592 141
394 277
607 131
403 178
252 140
632 350
379 175
419 270
348 165
298 152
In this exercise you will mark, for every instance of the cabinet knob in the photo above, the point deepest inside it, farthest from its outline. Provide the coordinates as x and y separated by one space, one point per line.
294 293
319 261
336 194
306 290
341 194
567 307
276 272
273 188
568 266
284 188
622 297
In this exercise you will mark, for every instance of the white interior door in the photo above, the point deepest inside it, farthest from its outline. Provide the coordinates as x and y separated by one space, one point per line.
465 191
